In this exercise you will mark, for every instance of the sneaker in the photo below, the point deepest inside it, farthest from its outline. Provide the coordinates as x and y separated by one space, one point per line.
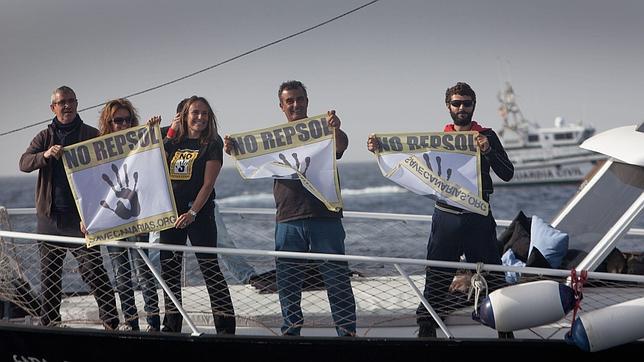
506 335
152 329
166 329
111 325
266 284
347 334
426 330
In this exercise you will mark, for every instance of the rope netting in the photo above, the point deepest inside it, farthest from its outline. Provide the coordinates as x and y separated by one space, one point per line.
114 287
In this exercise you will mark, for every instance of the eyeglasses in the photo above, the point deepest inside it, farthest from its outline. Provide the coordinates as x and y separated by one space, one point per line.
121 120
70 101
457 104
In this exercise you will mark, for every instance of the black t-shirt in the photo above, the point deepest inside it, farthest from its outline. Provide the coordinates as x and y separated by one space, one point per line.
187 166
293 201
64 135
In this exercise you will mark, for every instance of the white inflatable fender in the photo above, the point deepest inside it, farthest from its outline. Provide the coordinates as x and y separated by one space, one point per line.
526 305
609 327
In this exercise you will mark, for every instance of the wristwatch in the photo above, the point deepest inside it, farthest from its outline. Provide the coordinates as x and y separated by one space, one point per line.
193 213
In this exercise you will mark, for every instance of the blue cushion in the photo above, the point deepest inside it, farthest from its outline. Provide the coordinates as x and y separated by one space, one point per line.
510 259
552 243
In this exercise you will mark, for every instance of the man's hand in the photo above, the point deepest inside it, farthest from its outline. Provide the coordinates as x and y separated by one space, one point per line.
83 229
373 144
483 143
334 121
341 139
54 151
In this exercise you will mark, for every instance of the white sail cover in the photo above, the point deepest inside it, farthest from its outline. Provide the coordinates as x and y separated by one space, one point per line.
622 143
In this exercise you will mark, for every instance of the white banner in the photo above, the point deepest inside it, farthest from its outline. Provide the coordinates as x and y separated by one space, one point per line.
303 150
443 165
120 184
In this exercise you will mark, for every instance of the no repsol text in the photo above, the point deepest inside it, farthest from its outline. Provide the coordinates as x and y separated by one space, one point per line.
283 136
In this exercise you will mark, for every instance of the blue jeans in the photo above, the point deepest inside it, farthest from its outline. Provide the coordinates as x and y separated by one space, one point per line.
123 270
316 235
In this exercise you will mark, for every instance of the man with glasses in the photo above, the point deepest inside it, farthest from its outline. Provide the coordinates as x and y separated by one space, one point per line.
57 214
304 224
456 231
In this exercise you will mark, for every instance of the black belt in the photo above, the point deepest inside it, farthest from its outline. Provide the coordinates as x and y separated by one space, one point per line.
449 208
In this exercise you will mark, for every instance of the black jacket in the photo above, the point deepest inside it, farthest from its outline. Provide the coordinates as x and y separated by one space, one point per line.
498 160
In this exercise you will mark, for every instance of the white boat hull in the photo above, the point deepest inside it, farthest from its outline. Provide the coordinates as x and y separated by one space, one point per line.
555 170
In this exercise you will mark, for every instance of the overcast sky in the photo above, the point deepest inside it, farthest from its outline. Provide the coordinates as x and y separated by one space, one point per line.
384 68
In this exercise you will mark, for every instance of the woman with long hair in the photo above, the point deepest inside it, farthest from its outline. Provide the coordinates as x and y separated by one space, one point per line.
195 155
117 115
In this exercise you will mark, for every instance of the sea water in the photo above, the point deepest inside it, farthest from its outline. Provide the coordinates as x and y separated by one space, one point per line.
363 189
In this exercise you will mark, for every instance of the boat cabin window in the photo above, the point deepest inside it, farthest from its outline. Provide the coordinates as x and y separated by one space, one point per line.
533 138
591 213
564 136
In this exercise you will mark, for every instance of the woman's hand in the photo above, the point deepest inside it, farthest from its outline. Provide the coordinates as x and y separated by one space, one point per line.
154 121
184 220
176 122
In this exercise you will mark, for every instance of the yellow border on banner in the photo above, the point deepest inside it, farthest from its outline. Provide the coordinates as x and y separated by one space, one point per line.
408 151
332 206
157 222
406 145
156 131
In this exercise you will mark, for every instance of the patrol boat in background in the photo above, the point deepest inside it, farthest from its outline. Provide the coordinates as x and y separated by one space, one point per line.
543 155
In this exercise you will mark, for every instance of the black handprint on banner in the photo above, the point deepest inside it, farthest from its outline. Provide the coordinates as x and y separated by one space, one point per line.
438 164
123 193
307 162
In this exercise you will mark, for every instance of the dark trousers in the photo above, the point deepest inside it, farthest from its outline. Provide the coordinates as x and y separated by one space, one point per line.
91 269
148 285
202 232
123 271
123 277
451 236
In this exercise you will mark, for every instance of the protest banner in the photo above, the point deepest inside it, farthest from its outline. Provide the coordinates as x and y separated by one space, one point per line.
120 184
442 165
303 149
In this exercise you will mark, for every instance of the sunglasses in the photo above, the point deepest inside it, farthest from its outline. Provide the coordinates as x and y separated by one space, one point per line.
457 104
121 120
62 103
